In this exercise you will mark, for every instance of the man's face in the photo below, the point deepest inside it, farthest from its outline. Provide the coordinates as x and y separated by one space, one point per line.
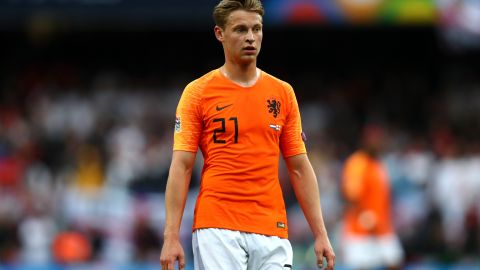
242 36
374 139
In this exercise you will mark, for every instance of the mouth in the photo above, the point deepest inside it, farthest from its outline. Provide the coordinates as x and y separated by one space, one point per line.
250 49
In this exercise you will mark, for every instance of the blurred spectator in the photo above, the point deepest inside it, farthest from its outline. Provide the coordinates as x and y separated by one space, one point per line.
146 240
9 242
369 237
36 233
89 172
71 247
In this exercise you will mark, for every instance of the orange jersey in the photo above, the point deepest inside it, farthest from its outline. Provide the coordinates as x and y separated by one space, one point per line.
241 132
366 187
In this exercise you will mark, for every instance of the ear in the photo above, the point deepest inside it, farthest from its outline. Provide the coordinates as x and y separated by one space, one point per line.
218 33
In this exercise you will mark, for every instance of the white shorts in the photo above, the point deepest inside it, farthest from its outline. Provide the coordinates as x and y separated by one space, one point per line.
368 252
215 249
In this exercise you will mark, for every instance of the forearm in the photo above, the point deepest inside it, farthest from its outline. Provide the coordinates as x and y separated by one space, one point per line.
304 183
176 197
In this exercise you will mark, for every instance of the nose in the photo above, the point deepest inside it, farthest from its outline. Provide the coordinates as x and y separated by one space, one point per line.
250 36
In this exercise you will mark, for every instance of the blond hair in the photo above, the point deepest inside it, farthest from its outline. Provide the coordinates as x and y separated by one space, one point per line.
225 7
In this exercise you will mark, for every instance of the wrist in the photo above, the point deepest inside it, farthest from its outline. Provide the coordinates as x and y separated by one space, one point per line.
320 232
168 235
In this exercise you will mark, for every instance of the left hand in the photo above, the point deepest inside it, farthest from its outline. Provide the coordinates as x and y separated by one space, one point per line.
323 249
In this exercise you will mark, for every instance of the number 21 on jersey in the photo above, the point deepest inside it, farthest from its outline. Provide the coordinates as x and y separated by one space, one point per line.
222 123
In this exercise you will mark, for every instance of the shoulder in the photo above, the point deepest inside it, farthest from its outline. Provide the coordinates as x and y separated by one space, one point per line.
198 86
278 82
357 160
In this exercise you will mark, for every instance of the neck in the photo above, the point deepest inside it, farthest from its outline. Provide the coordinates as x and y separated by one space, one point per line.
374 153
244 75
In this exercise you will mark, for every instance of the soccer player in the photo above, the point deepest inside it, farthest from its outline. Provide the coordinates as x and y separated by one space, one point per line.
369 240
241 118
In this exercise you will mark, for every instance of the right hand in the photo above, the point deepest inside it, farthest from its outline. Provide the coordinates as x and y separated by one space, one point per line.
172 251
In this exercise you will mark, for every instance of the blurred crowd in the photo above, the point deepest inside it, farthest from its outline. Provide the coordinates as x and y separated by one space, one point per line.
84 162
90 161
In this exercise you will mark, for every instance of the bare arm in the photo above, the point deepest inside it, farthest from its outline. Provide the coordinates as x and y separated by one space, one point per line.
175 199
304 183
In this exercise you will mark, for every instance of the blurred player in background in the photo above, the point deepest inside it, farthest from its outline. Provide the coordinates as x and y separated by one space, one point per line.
369 239
242 118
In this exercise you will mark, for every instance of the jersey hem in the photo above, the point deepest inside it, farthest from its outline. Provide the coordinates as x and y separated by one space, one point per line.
295 154
280 235
185 149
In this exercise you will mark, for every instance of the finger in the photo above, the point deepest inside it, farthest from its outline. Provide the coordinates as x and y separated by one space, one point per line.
163 262
319 255
170 265
330 261
181 262
320 263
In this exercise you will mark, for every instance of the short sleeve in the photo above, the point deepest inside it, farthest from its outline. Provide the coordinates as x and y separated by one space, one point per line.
291 139
188 120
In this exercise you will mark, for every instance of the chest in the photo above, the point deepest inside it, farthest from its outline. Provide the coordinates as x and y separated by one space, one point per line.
377 177
240 115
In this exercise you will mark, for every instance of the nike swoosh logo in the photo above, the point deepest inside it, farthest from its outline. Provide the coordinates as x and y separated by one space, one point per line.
221 108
